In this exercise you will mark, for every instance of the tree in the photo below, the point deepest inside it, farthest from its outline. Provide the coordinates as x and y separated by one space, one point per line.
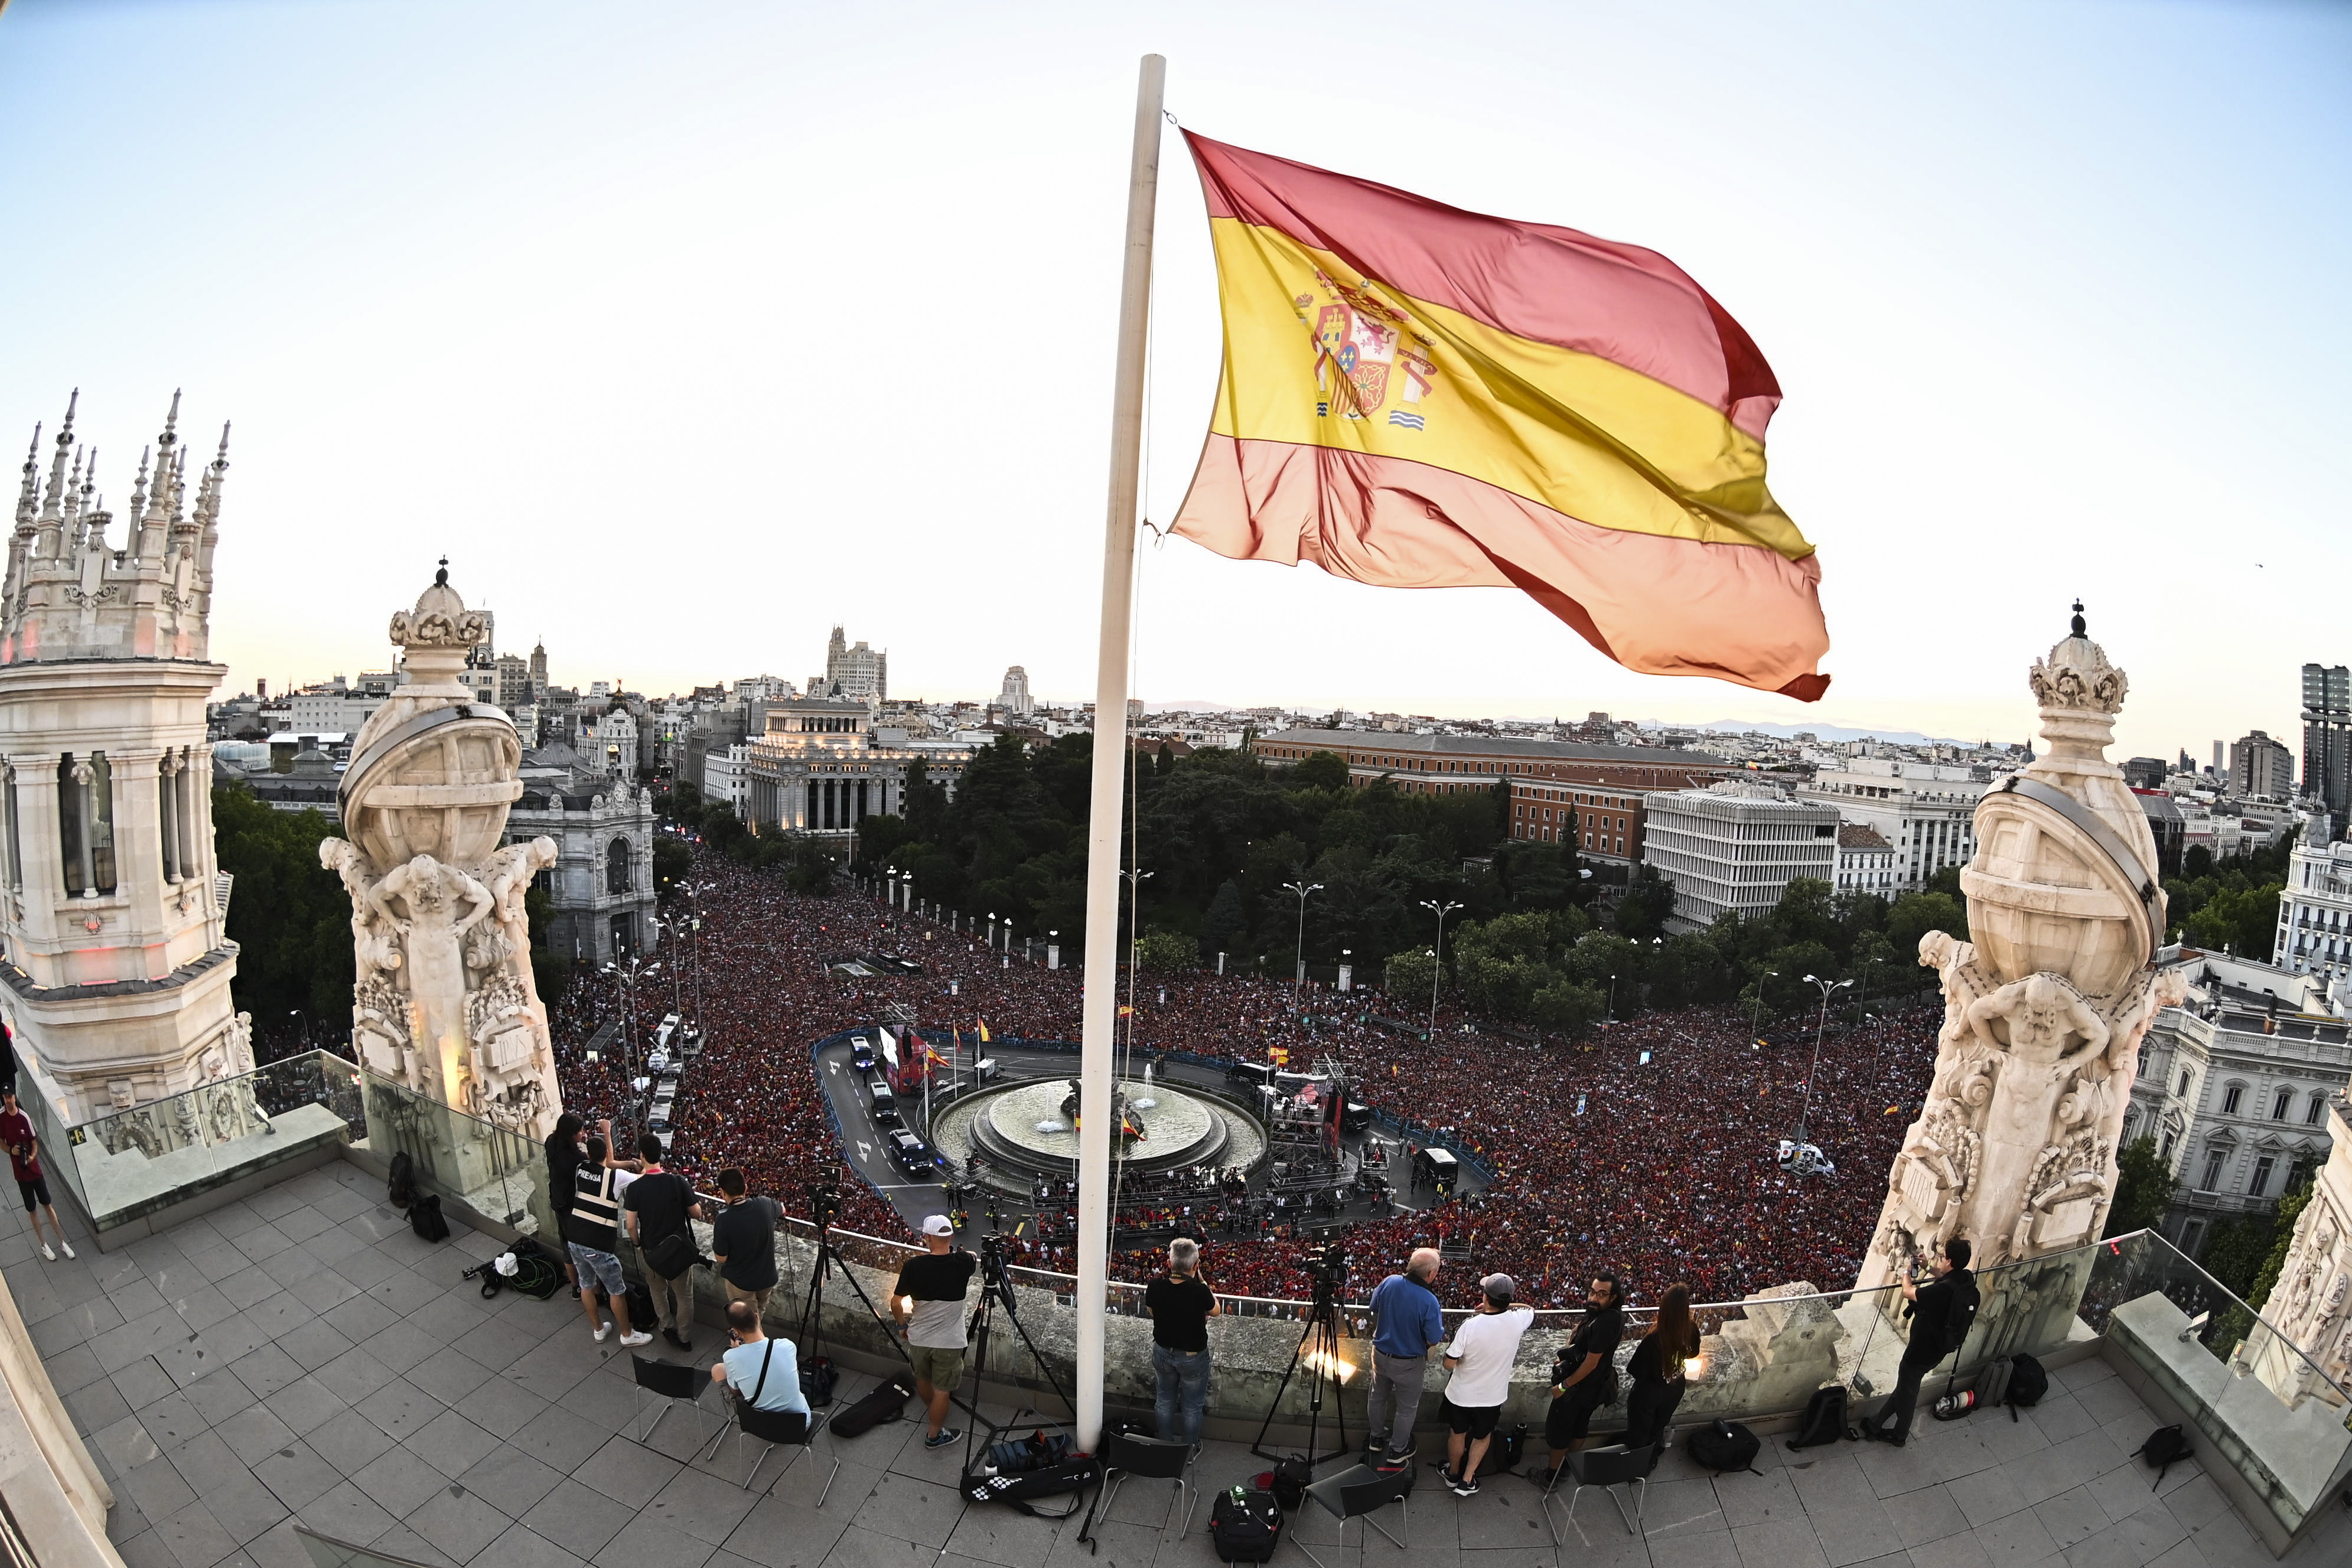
290 917
1166 950
2143 1187
2236 1250
551 971
1411 974
2258 1290
1575 1010
1320 771
1226 922
812 869
1641 912
672 860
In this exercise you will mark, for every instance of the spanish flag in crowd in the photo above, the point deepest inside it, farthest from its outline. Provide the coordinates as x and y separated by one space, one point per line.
1416 396
983 1030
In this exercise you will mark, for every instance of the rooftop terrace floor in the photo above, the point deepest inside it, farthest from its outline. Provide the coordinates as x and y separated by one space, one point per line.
302 1355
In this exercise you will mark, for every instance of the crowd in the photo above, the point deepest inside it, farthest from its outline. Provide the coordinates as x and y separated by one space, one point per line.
1649 1150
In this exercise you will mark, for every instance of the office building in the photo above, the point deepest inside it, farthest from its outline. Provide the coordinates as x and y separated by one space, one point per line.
2327 736
2260 766
1734 848
1926 811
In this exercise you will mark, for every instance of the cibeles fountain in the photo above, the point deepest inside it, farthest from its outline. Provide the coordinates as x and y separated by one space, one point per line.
445 1003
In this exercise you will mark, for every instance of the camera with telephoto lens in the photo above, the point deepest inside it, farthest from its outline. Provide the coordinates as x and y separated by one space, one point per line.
1327 1269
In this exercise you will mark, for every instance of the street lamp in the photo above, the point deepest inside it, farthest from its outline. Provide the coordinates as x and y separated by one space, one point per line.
1828 988
1299 951
1438 957
1756 1014
636 969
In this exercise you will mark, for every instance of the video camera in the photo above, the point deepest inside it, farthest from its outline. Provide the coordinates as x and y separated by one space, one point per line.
825 1203
1327 1269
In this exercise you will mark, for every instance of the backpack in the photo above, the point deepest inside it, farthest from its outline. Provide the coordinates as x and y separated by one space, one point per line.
1992 1383
2028 1382
400 1191
818 1379
2166 1447
1965 1302
1019 1455
1245 1525
424 1217
1288 1481
1824 1419
1504 1454
1724 1447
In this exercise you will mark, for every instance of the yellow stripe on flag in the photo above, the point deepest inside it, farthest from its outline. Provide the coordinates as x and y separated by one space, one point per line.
1570 431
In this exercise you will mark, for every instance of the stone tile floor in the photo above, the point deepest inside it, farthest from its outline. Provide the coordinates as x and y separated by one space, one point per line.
302 1356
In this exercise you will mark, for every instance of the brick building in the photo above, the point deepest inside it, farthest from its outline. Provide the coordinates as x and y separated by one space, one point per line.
1454 764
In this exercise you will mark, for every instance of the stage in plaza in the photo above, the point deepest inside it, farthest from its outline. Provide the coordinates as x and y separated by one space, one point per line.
1025 1129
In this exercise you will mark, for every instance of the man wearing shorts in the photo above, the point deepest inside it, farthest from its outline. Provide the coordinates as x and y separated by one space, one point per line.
592 1232
1480 1360
25 1159
926 1304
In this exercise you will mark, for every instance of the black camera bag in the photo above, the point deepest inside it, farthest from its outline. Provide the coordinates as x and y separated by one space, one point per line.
887 1403
1824 1419
1245 1526
819 1378
1724 1447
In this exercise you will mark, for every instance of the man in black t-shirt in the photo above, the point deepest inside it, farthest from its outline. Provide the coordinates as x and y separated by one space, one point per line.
659 1205
1941 1312
743 1243
1181 1305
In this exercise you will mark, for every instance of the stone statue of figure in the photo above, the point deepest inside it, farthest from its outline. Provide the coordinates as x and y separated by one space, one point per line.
508 874
443 904
374 940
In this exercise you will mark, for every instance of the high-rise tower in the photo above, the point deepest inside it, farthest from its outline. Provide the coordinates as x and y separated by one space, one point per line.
116 976
2327 736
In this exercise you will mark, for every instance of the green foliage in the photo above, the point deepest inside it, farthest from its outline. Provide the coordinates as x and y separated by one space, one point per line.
1320 771
551 971
1166 950
810 867
2290 1207
2229 904
2235 1250
1409 975
682 802
288 915
2143 1188
672 860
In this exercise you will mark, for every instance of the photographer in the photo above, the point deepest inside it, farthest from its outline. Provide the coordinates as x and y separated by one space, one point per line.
1179 1307
659 1204
765 1372
926 1304
743 1243
1584 1372
1940 1313
1408 1327
1480 1360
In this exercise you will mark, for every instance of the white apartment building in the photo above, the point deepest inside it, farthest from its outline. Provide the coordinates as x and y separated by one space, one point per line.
1866 861
1734 847
613 748
2234 1086
2314 927
725 774
1926 811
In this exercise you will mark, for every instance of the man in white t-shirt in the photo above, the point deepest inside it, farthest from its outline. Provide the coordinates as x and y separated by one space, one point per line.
1479 1361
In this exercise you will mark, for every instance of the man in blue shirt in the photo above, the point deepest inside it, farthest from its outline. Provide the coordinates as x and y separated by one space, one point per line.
753 1353
1408 1328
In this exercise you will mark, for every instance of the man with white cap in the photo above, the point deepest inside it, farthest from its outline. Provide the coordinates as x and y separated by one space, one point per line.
1479 1361
926 1304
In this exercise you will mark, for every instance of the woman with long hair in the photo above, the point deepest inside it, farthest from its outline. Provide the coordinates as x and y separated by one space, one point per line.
1661 1363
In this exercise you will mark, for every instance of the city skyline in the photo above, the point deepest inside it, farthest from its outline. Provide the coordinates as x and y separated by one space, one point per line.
598 318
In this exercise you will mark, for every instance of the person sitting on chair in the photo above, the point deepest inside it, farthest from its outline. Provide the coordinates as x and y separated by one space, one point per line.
763 1372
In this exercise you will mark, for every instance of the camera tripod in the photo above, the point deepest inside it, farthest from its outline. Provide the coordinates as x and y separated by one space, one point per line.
824 1206
996 1286
1319 1351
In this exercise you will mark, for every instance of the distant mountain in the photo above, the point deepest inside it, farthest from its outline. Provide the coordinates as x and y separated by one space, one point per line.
1821 731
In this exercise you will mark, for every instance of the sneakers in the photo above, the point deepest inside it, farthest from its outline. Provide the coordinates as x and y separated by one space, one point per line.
603 1333
678 1339
1462 1487
1393 1461
942 1438
1543 1479
46 1253
634 1339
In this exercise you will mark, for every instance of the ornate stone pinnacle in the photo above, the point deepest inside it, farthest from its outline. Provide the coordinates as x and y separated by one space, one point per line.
440 618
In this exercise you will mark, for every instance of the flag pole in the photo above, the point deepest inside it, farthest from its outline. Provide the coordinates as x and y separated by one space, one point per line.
1099 1028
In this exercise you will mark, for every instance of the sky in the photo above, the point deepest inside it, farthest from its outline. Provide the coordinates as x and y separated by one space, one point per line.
687 332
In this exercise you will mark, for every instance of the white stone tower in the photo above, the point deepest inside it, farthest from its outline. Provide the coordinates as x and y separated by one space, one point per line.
445 1002
116 977
2045 1009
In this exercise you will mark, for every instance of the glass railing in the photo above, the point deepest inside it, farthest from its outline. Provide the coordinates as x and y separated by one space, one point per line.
497 1170
150 1157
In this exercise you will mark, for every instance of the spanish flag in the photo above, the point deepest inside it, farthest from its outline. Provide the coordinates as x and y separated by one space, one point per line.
1416 397
984 1030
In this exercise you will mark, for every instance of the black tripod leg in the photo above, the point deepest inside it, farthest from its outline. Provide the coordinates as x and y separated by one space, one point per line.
1257 1444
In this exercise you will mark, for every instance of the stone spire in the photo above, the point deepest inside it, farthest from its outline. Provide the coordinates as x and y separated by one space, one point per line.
28 497
2046 1005
70 595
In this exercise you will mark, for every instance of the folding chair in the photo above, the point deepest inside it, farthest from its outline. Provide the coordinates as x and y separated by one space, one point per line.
1128 1454
673 1382
776 1429
1607 1469
1358 1494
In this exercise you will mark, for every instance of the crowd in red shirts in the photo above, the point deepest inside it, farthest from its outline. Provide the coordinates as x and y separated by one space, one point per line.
1661 1168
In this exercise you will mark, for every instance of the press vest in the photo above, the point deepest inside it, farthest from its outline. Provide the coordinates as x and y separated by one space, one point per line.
595 1221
